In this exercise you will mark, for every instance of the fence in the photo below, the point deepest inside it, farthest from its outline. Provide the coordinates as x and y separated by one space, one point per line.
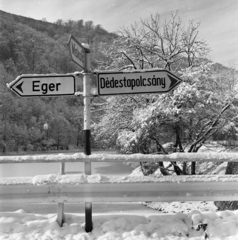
62 189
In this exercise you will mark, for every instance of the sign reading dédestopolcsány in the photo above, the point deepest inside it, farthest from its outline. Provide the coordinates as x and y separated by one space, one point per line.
135 82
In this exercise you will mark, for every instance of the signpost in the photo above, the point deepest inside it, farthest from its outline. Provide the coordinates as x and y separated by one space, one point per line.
150 81
109 83
81 56
77 52
87 135
44 85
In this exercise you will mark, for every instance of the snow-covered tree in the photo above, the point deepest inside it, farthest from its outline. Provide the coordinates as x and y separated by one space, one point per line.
189 115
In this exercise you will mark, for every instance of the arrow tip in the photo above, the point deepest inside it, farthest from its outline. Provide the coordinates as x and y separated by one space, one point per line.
19 87
173 81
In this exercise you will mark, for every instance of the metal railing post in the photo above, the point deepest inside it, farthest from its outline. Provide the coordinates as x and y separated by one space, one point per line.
60 207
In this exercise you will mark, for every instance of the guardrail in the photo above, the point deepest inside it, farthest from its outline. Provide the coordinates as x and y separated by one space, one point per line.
81 157
97 188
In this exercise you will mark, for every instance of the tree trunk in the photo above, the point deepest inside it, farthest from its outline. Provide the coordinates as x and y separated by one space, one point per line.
178 144
212 128
193 168
232 168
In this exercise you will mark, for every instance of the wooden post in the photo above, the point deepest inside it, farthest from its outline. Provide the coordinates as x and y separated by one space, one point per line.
60 207
87 135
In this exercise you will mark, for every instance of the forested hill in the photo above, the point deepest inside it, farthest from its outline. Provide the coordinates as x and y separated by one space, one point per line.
29 46
36 24
58 31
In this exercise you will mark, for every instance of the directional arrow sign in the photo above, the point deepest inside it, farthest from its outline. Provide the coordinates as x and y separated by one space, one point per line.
77 52
44 85
151 81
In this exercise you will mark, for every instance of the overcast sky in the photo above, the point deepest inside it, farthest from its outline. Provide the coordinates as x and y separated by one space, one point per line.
219 18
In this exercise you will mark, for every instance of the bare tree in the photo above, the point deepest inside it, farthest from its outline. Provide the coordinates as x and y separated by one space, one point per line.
191 114
157 44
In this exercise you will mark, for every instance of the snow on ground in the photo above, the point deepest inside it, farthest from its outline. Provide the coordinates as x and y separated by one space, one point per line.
195 225
183 220
183 207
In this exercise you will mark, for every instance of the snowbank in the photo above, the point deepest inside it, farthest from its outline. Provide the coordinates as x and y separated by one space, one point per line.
195 225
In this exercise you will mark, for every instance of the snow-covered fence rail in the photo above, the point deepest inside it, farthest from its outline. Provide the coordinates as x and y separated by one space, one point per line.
81 157
97 188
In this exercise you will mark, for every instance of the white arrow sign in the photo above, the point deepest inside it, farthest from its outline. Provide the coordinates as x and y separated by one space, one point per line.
150 81
43 85
77 52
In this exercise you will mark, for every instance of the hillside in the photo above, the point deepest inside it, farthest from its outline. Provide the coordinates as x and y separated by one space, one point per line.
29 46
83 31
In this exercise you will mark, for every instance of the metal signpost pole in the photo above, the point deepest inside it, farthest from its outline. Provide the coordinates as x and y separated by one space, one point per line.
81 56
87 135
